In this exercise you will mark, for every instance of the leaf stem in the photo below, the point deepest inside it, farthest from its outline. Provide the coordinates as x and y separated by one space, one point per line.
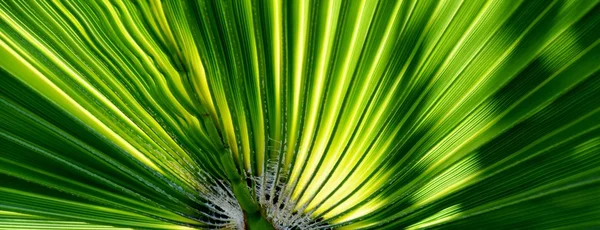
253 216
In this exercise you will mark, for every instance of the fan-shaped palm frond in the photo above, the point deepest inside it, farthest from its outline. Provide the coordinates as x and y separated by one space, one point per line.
363 114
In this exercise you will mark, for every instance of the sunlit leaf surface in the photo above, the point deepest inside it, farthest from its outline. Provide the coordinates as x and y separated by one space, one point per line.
262 114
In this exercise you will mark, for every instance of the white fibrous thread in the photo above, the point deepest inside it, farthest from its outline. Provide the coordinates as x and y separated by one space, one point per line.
276 201
271 194
221 200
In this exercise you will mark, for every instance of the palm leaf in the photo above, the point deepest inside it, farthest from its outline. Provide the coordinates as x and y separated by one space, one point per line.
265 114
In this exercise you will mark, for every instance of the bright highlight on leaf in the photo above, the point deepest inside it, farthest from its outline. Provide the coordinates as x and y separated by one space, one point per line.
304 114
